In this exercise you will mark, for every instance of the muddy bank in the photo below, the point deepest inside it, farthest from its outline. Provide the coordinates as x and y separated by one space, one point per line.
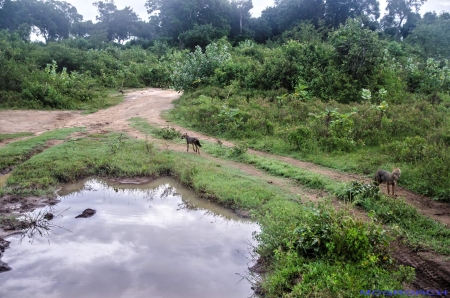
13 206
3 245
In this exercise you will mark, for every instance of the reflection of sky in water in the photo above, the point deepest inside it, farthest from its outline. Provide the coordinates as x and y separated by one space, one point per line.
138 244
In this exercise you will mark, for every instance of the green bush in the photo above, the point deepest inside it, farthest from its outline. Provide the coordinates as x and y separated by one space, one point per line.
357 192
198 67
168 133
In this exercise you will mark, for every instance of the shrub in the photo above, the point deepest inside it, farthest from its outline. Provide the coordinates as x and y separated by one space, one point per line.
300 137
168 133
357 191
199 66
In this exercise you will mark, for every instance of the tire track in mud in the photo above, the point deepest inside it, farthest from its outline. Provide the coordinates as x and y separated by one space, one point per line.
430 275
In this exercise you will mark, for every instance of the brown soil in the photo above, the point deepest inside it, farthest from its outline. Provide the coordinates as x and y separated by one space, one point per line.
433 270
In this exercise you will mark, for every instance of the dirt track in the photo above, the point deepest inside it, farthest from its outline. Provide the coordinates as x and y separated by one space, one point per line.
149 104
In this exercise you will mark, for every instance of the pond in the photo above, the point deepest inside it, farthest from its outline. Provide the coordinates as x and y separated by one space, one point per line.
150 240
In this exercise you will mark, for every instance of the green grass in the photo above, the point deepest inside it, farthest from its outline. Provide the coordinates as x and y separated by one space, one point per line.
142 125
14 135
272 166
119 155
17 152
421 231
414 136
115 155
362 161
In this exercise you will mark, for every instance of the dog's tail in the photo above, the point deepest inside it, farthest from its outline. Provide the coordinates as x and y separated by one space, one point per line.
377 179
198 143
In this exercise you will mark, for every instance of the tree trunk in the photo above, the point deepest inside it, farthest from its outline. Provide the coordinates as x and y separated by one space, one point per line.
240 21
397 33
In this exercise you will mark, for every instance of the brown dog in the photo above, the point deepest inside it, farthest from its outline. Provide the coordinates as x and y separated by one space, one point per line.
390 178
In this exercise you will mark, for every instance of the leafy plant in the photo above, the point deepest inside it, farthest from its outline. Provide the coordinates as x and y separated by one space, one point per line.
357 192
199 66
168 133
239 149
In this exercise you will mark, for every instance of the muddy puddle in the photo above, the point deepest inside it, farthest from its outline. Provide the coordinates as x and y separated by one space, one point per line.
150 240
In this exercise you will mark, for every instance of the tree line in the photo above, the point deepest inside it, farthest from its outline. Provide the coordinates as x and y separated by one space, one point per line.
188 23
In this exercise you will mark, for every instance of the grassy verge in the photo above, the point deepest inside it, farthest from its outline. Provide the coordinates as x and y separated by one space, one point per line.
7 136
17 152
106 100
306 131
327 250
421 231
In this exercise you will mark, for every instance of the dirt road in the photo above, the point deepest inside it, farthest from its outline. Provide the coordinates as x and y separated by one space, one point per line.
149 104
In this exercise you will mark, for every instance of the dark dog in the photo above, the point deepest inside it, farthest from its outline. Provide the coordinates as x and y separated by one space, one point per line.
390 178
191 140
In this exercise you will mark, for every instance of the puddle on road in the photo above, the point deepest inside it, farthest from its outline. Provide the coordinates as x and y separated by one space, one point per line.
151 240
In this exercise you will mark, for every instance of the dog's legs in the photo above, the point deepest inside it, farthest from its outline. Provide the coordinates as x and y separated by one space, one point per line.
187 147
387 183
393 189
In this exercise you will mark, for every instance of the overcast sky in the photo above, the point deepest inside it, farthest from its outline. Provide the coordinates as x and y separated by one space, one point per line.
89 11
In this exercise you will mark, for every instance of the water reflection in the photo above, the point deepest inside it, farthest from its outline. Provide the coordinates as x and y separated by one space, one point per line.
144 241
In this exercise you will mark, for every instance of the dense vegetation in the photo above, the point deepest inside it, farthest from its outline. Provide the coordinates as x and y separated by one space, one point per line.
325 81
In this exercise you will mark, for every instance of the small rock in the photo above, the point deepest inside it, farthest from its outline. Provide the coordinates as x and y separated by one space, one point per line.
3 244
4 267
86 213
48 216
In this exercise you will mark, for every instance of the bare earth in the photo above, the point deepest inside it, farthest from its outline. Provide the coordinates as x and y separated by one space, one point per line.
150 103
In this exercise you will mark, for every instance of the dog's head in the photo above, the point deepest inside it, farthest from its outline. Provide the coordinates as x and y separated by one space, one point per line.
184 136
396 173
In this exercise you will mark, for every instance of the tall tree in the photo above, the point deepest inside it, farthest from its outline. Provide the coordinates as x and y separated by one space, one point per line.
287 13
242 9
176 16
106 10
52 18
123 24
359 52
398 12
69 11
431 37
338 11
118 23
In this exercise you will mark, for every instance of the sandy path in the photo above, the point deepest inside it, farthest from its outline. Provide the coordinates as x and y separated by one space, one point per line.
148 104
